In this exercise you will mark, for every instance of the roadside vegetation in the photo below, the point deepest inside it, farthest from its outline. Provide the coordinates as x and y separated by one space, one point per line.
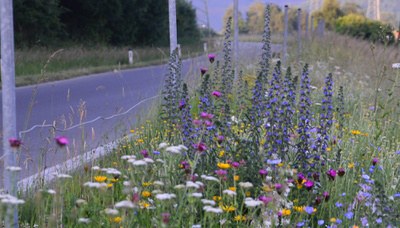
313 144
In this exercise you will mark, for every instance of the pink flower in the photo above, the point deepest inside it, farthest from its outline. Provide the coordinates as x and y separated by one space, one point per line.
375 161
61 140
221 172
211 57
326 196
263 172
265 199
216 93
235 164
220 138
201 147
15 143
165 217
341 172
197 122
331 174
208 123
144 153
203 71
309 184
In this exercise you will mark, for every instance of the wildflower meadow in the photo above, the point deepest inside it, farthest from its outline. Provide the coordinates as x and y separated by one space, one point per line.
307 145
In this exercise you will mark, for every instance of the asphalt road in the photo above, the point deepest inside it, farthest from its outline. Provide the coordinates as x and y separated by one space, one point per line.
69 102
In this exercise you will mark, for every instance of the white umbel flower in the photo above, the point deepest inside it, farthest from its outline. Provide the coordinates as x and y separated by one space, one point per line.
215 210
84 220
95 185
138 162
197 194
245 184
125 204
210 178
250 202
208 202
229 192
13 168
162 145
165 196
111 211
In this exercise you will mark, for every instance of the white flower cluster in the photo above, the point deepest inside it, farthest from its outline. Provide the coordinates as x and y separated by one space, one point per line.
11 200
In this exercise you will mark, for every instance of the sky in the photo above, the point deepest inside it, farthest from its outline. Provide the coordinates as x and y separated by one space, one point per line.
217 9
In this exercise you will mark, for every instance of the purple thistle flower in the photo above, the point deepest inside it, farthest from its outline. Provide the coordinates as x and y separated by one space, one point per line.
216 94
309 184
61 141
211 58
15 143
331 174
203 71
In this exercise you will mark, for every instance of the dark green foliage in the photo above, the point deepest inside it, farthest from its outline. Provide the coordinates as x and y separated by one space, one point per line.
37 22
358 26
110 22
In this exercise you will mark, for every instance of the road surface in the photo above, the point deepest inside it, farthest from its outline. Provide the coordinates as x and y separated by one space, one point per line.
70 102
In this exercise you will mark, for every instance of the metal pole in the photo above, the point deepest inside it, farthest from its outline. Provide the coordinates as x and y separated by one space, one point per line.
236 36
285 36
9 107
307 24
298 33
173 43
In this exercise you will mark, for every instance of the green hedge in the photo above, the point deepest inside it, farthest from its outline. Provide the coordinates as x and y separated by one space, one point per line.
361 27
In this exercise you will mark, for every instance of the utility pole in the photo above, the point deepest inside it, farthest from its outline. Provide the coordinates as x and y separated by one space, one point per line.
9 107
207 18
173 43
378 10
236 36
285 35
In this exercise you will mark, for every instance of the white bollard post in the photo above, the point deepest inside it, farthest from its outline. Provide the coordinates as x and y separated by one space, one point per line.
130 56
179 50
285 36
205 47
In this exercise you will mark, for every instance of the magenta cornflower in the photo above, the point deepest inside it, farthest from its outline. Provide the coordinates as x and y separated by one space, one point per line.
235 164
205 115
208 123
15 143
279 188
197 122
220 138
265 199
165 217
221 172
326 196
375 161
263 172
309 184
61 140
216 94
211 58
341 172
331 174
145 153
318 200
201 147
203 71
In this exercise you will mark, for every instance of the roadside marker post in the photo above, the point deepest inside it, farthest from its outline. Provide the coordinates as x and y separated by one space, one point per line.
130 56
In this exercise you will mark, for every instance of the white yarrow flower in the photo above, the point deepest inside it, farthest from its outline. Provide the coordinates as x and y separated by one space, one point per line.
138 162
191 184
11 200
215 210
95 185
179 186
51 192
197 194
128 157
95 168
159 183
208 202
165 196
210 178
162 145
229 192
249 202
125 204
245 184
80 202
111 211
148 160
84 220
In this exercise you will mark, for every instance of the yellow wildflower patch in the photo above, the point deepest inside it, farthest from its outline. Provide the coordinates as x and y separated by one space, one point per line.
239 218
100 179
351 165
299 208
223 165
116 219
221 153
286 212
217 198
227 208
232 189
236 178
146 184
144 204
146 194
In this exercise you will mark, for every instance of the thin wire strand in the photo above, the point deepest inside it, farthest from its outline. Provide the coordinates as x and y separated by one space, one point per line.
86 122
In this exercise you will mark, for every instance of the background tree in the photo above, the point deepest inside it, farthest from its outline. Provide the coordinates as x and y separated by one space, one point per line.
330 12
255 18
242 24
